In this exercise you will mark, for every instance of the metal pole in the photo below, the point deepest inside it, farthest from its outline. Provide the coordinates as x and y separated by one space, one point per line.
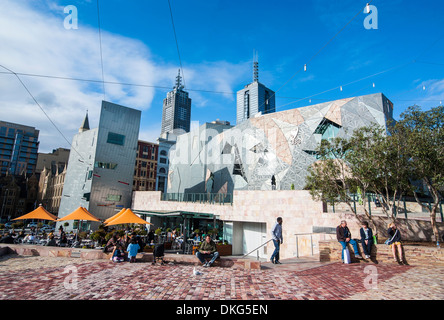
297 248
369 205
311 239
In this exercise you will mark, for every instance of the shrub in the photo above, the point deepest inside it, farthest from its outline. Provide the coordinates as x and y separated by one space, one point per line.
66 224
292 186
158 231
82 235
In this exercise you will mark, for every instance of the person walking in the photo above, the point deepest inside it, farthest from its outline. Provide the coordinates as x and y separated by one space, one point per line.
276 236
366 239
343 235
273 183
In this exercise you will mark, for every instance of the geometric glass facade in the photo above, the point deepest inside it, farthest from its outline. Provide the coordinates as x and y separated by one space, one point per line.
18 148
101 165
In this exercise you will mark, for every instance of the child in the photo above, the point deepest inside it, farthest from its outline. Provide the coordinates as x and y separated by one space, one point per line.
132 249
118 255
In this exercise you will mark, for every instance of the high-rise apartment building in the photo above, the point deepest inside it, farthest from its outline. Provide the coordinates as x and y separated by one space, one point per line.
18 148
176 116
145 171
254 99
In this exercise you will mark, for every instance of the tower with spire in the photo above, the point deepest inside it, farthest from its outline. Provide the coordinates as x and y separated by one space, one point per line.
85 124
255 98
176 115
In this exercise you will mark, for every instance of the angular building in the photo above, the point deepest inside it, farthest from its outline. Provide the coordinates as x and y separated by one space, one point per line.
18 148
281 144
254 99
176 116
101 163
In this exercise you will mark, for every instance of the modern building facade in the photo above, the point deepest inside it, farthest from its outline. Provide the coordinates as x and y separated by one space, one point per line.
189 158
254 99
176 116
101 164
166 141
18 148
145 171
281 144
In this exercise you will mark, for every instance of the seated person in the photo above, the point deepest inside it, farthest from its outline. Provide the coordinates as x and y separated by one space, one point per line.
63 240
207 249
196 237
366 239
7 239
343 235
118 255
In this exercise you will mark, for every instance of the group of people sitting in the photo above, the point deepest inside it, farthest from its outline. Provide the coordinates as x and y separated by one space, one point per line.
124 248
343 235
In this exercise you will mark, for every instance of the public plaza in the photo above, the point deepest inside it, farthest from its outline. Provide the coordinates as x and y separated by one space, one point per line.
43 278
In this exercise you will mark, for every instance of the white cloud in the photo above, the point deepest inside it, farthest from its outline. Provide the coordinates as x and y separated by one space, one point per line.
35 41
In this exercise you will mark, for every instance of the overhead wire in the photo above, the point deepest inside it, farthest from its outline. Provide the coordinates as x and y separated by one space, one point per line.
101 53
41 108
177 43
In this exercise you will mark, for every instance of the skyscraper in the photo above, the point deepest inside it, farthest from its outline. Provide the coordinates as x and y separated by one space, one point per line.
18 148
254 99
176 109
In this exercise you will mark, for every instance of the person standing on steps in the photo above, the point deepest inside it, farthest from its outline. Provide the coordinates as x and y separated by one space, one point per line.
276 235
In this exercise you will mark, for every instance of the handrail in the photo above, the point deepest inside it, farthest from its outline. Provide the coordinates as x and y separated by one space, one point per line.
256 249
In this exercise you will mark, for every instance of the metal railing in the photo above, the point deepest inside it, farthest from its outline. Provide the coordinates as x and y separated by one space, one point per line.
257 249
211 198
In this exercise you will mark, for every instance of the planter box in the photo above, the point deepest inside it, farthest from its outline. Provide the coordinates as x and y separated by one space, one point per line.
224 249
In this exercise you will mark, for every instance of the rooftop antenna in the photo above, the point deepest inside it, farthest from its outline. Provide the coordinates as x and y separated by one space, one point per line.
255 67
179 81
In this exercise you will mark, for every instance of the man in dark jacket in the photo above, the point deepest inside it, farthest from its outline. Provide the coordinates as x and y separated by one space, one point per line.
343 235
207 249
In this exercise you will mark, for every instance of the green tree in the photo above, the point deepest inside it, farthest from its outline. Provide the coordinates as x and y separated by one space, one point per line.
423 132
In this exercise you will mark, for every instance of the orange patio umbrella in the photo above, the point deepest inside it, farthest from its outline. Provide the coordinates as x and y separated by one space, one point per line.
128 216
40 213
115 216
80 214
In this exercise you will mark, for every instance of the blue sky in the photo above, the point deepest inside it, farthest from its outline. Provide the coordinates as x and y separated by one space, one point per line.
216 41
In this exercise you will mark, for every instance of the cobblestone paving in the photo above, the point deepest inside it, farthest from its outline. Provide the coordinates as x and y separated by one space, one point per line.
37 278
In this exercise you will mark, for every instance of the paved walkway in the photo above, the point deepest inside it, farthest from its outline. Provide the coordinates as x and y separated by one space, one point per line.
38 278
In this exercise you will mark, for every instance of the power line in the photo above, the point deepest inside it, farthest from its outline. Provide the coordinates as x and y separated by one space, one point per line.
304 67
101 54
177 43
352 82
41 108
111 82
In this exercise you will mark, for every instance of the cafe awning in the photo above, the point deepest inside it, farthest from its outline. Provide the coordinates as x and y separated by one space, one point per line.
175 213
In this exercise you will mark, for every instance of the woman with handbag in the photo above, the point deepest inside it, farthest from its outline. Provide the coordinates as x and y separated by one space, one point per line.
395 241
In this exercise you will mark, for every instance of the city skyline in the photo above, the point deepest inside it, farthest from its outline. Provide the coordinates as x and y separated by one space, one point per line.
215 41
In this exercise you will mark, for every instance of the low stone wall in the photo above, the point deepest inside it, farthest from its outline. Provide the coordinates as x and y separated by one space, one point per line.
382 253
91 254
